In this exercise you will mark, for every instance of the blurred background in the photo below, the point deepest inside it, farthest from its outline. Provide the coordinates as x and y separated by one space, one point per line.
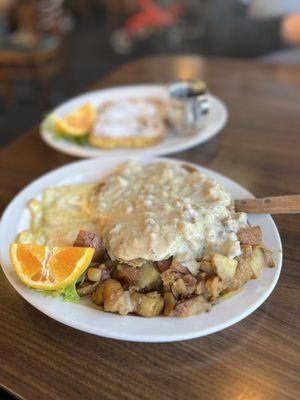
51 50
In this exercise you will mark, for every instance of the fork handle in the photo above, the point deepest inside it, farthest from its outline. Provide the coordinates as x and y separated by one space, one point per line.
270 205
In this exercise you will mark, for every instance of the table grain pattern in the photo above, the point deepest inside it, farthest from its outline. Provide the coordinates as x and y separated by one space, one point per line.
258 358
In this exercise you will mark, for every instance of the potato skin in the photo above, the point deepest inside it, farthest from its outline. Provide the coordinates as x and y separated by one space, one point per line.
164 264
250 236
269 259
90 239
127 275
192 306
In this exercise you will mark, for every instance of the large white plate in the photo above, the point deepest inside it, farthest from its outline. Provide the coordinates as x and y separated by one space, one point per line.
87 317
212 124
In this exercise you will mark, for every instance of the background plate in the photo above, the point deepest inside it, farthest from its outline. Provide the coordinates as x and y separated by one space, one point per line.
212 124
87 317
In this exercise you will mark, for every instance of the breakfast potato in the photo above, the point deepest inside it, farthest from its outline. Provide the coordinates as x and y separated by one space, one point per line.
164 264
212 286
179 288
242 275
90 239
112 292
127 275
97 295
269 260
86 288
192 306
149 277
147 305
169 302
94 274
200 286
169 277
250 236
115 299
246 251
257 261
206 266
223 266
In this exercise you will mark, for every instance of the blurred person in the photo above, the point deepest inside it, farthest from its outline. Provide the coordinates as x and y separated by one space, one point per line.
244 28
289 11
236 30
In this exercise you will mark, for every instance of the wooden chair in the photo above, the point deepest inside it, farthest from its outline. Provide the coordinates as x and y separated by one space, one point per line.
39 63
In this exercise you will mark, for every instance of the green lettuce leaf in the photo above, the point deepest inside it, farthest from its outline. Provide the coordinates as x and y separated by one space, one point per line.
80 140
69 293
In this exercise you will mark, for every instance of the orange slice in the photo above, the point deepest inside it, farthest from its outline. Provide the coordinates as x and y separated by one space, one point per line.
79 122
49 269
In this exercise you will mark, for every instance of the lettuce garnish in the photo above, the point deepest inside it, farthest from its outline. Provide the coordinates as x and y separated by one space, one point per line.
69 293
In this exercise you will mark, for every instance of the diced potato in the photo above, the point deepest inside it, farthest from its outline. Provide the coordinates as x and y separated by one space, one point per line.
212 285
94 274
115 298
251 236
246 251
170 303
86 288
125 304
200 287
178 267
149 277
91 239
269 260
184 286
147 305
163 265
257 261
223 266
112 292
192 306
168 278
97 296
179 287
127 275
243 274
206 266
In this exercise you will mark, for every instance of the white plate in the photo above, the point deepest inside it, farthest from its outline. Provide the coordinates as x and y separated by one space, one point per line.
86 317
212 124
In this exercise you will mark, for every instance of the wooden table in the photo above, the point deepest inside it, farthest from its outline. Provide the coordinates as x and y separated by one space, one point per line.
257 358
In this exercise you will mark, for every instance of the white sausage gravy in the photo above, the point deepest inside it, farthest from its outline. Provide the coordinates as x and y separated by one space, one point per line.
160 210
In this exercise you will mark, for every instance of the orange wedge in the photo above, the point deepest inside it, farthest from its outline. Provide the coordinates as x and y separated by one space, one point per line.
79 122
49 269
